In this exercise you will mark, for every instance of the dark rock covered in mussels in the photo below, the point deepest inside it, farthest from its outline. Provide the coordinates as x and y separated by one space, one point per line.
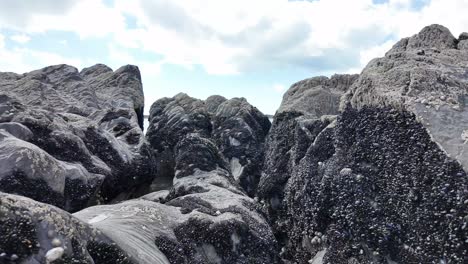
73 135
385 182
33 233
237 128
204 215
308 108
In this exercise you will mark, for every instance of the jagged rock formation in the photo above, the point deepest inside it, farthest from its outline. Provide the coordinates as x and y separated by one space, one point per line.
367 168
73 135
33 233
384 183
308 108
425 74
204 218
236 127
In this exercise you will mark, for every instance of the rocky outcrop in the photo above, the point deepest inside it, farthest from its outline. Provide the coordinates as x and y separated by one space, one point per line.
33 233
308 107
425 74
385 182
212 219
237 128
367 168
73 138
204 218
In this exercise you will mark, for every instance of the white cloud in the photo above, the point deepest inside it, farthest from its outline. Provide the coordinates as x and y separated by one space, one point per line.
22 60
2 41
235 36
87 18
229 37
20 38
279 88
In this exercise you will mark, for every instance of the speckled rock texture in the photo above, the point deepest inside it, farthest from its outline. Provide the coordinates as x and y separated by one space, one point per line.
37 233
426 74
308 107
379 182
204 218
71 138
367 168
234 126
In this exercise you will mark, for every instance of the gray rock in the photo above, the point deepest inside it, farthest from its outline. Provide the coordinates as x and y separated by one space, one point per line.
204 218
407 81
237 128
307 108
316 96
463 36
385 182
33 233
211 218
85 125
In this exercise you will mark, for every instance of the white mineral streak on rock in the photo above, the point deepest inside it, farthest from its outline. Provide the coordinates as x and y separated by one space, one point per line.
318 258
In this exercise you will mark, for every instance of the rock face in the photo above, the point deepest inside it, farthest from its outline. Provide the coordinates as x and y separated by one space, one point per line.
308 107
384 183
367 168
204 218
237 128
425 74
73 135
33 233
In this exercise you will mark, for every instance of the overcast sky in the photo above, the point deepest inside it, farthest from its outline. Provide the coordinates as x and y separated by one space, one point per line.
250 48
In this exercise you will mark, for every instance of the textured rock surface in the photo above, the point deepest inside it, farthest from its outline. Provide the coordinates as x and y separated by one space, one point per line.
34 233
381 184
237 128
307 108
204 218
427 75
75 136
374 176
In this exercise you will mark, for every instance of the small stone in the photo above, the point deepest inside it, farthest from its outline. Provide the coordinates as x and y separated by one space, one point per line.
56 242
54 254
346 171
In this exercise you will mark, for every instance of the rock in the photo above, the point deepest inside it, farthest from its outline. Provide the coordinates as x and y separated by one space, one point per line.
406 81
463 36
237 129
433 36
381 183
84 125
208 217
308 108
28 229
316 96
204 218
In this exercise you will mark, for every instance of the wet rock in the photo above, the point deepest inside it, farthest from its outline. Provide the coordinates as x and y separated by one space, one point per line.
308 107
204 218
381 184
234 126
28 230
82 125
404 80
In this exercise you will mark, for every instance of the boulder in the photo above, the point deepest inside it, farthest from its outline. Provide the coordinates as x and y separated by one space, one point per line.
34 233
237 128
85 126
204 218
386 182
308 107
